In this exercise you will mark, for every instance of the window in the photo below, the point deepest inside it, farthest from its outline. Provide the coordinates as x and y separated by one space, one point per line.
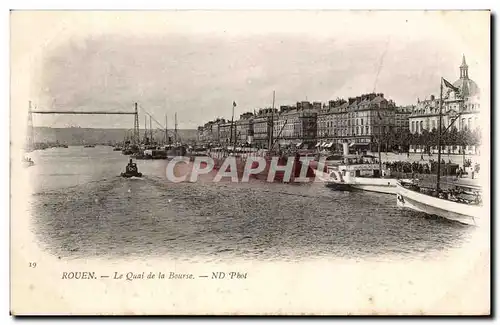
361 121
413 126
421 125
367 130
469 122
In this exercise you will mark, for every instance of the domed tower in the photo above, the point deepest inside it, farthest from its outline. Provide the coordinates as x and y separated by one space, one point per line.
466 86
464 69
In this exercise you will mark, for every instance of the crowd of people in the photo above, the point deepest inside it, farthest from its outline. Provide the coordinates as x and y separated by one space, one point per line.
409 167
448 168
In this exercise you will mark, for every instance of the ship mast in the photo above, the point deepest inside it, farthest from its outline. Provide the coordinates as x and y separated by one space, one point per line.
379 152
150 130
439 136
231 131
380 117
235 137
145 129
166 130
271 126
175 132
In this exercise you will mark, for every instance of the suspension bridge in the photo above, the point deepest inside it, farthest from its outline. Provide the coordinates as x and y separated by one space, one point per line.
136 134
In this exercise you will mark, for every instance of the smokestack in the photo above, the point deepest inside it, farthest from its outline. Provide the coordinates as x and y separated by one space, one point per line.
345 147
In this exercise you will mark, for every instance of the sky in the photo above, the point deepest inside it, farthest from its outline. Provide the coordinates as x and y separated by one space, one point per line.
197 63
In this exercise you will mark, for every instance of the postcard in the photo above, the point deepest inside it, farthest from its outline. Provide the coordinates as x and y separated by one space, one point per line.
237 162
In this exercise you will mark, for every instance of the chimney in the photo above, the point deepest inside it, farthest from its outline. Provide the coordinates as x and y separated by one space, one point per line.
358 99
432 97
351 100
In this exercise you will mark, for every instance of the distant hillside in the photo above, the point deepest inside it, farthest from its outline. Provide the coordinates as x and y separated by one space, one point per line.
75 136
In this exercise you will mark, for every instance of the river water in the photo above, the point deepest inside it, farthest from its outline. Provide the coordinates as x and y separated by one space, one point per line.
81 208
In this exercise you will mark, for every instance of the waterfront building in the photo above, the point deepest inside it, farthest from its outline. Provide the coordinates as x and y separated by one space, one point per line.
199 135
296 125
262 126
206 133
225 133
209 133
358 121
328 123
244 129
367 118
402 118
460 108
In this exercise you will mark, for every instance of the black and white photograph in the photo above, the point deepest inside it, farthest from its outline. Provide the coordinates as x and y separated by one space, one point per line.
247 162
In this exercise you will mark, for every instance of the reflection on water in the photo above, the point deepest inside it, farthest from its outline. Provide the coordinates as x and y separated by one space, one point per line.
82 209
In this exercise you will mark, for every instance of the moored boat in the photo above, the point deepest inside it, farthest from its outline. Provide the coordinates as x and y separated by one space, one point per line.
358 172
242 156
335 181
461 202
452 204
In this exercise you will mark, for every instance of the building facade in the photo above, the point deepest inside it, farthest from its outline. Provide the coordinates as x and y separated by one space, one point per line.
358 121
402 118
262 126
328 123
460 109
244 129
296 125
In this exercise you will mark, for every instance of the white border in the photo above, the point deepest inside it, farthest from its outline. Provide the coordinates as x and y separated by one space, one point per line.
149 4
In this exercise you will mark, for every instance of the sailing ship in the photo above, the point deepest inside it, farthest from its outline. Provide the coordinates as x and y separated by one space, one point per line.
242 154
454 203
150 149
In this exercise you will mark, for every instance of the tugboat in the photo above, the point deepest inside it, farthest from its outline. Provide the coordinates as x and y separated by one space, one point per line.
27 162
131 170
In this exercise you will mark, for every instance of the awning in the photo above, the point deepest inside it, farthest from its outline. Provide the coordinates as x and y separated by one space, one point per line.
299 144
317 144
359 144
329 145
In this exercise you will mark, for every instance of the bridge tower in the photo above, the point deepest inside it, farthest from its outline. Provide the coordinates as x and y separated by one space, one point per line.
136 139
30 133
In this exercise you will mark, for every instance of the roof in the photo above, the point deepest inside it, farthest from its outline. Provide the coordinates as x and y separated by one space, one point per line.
468 87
